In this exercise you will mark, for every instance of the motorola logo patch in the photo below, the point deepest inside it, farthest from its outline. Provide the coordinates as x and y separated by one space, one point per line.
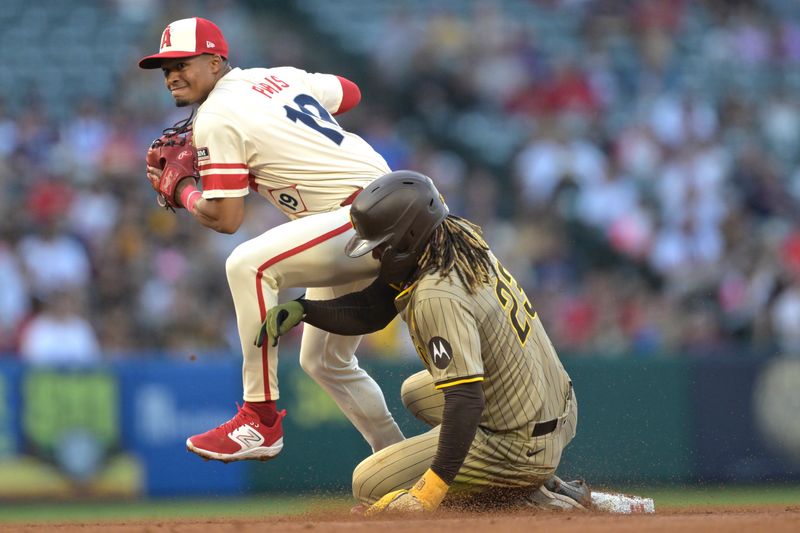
440 351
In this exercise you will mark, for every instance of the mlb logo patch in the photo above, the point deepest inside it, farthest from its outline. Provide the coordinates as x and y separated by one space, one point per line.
202 153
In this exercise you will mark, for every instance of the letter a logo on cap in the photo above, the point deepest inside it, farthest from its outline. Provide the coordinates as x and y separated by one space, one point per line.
165 39
187 38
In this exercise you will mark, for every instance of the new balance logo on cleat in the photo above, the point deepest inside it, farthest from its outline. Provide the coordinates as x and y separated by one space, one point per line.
247 436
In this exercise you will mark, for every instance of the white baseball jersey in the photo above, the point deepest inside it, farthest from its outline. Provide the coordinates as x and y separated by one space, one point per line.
272 130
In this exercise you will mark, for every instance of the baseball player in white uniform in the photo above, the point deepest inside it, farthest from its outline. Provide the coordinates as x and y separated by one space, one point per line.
272 131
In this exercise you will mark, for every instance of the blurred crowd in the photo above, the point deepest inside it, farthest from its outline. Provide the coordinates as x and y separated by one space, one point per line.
646 198
654 174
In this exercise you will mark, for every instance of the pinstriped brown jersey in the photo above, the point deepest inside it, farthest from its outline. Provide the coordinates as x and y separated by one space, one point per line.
493 336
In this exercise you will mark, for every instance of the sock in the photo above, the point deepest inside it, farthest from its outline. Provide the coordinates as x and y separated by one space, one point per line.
266 411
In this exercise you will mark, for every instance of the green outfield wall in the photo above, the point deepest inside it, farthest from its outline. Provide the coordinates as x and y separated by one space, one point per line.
658 421
118 430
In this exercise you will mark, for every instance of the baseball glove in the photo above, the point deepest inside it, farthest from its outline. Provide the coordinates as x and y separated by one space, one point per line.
174 154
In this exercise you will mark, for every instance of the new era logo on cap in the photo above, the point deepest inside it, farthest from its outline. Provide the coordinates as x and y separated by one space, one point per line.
186 38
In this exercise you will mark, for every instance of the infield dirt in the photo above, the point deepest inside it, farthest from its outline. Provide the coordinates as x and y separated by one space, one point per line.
775 518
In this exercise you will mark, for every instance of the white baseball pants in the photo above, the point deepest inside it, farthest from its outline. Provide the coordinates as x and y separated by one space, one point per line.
308 252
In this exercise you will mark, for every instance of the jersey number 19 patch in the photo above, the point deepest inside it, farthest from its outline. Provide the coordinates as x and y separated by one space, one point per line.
288 199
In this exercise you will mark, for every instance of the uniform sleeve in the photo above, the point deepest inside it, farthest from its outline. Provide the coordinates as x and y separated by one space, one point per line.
451 341
336 94
351 96
221 157
356 313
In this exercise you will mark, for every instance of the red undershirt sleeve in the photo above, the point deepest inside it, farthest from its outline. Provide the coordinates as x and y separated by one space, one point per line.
351 95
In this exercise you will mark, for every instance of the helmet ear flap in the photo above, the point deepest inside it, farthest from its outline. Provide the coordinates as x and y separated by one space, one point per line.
396 267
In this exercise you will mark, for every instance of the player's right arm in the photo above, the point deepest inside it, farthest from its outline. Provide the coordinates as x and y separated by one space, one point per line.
358 313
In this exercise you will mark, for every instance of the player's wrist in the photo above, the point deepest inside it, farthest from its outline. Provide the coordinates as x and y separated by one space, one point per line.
188 194
304 303
430 490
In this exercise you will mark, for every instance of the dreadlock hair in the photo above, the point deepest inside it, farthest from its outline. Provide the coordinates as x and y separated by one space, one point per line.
457 245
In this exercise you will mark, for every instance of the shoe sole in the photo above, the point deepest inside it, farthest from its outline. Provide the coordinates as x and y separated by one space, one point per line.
262 453
552 501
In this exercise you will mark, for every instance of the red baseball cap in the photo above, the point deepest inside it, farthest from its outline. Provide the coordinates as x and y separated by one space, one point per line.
187 38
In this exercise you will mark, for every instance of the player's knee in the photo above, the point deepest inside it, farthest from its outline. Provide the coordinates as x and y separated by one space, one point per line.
328 359
362 489
422 399
312 364
416 387
407 395
238 262
357 489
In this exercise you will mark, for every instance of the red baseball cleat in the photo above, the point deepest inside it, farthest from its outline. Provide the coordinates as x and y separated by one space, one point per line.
242 437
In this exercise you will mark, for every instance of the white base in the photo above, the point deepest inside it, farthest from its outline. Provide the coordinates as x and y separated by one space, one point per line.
622 504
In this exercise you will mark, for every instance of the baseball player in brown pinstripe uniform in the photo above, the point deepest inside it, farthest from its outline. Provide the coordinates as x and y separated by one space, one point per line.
499 401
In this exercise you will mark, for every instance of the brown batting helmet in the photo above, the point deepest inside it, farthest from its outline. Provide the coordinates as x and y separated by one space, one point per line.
400 209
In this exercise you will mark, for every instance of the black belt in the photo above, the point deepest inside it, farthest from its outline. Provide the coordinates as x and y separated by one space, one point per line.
543 428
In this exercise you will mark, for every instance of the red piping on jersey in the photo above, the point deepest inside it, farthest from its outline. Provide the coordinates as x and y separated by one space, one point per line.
262 306
351 96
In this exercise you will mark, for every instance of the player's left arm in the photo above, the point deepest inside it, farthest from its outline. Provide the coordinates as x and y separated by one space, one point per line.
453 349
337 94
463 406
224 174
223 215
